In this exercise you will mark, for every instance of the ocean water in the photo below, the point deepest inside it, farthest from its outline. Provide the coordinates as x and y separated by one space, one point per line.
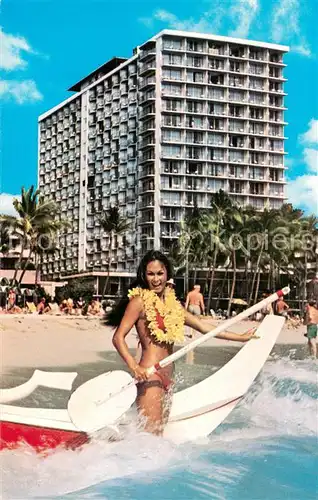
266 449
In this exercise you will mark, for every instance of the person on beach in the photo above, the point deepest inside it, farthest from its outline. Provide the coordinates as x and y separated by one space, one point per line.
11 299
159 319
311 321
195 302
281 307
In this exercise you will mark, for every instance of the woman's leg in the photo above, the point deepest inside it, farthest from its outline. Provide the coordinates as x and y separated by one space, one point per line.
150 404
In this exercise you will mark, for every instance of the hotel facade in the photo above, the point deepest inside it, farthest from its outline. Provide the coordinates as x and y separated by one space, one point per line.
156 134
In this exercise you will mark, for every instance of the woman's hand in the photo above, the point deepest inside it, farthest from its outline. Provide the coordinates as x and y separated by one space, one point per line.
250 334
140 373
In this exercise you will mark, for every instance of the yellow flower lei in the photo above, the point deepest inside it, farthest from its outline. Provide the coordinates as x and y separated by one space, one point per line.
171 311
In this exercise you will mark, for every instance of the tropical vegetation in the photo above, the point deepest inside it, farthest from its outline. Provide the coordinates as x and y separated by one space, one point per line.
113 224
268 246
36 227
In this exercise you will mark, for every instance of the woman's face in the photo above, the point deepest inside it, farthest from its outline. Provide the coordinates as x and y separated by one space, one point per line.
156 276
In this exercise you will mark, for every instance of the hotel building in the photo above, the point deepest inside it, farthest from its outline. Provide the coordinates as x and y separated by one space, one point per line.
187 115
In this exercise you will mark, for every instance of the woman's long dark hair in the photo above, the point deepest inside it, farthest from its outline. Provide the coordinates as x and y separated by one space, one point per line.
115 316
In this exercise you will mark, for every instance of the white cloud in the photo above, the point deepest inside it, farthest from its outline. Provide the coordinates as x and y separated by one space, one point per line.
20 91
311 136
6 206
311 159
205 23
243 14
303 50
285 23
13 49
303 192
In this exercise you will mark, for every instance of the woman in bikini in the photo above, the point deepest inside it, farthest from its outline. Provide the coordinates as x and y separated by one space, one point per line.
159 319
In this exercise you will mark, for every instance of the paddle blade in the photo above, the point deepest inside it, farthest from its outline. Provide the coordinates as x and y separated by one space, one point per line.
102 400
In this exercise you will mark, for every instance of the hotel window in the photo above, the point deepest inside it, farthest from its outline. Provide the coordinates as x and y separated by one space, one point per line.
236 126
275 130
216 64
194 122
216 109
218 185
216 48
194 168
276 160
257 158
256 188
258 55
236 156
216 94
195 91
195 76
171 135
236 95
194 107
276 145
194 152
216 154
172 59
171 166
275 87
195 46
173 151
216 139
274 72
196 62
171 89
171 43
171 74
216 123
172 120
275 116
275 101
170 182
236 66
170 198
172 105
256 69
257 113
256 98
256 173
194 137
236 81
256 128
236 141
216 79
256 83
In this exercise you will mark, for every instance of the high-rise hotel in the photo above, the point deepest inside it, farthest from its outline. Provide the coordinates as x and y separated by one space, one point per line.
187 115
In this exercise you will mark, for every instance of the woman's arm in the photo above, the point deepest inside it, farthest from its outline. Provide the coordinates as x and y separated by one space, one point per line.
204 327
131 316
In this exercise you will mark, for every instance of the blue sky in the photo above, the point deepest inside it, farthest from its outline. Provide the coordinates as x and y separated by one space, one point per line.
48 45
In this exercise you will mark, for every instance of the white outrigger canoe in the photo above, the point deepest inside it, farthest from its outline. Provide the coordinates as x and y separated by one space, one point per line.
195 413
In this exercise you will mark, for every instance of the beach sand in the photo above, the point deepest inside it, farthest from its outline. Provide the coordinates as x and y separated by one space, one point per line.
62 342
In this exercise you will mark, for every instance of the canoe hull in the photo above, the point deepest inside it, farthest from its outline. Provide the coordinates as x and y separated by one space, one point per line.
14 435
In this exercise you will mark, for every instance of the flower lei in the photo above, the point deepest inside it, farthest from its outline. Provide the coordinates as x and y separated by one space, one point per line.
171 311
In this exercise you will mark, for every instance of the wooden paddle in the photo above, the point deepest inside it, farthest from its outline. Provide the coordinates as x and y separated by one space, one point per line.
101 401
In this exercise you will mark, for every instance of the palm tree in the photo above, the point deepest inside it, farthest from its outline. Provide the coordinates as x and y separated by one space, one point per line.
222 207
233 225
191 242
36 216
262 225
4 237
114 224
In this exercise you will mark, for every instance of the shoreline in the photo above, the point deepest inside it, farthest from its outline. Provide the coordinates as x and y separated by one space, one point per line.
38 341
